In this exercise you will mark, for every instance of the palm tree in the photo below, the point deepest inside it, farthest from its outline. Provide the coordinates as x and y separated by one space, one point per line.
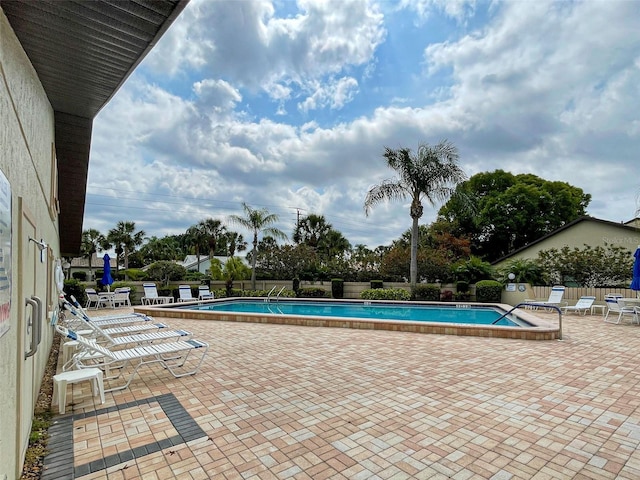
92 240
125 239
432 174
257 221
196 239
212 229
333 244
311 229
233 242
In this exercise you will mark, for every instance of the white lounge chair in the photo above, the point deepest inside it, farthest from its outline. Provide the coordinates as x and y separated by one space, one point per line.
185 294
151 296
121 297
94 300
173 356
583 305
616 306
204 293
110 338
554 300
111 320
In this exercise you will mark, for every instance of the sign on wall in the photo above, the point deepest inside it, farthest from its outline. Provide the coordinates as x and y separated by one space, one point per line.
5 254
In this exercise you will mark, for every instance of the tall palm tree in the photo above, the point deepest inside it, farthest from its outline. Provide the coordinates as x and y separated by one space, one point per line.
125 240
92 240
212 230
196 239
333 244
311 229
233 242
430 174
257 221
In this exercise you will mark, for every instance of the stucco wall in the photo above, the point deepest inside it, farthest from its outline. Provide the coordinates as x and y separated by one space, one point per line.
26 142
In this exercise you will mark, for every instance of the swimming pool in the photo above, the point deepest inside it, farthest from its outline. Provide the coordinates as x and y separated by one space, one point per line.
368 310
420 317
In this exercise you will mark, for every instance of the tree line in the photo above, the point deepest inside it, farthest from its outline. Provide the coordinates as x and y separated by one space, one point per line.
480 220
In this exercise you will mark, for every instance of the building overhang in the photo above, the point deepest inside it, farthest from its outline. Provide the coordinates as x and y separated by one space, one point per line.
83 52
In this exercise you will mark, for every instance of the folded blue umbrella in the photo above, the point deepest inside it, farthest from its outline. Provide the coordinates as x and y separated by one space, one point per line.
107 279
635 282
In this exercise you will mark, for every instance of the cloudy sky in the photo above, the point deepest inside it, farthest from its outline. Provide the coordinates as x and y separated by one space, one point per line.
288 105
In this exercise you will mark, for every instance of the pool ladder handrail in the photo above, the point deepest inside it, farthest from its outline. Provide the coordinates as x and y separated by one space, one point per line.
534 304
268 299
281 290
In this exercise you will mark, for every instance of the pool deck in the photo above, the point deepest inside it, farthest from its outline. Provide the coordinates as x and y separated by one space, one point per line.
291 402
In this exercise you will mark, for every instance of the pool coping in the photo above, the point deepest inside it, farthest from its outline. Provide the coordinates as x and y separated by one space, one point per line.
541 329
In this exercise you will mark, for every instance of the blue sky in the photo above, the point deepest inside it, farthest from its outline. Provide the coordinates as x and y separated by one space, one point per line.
288 105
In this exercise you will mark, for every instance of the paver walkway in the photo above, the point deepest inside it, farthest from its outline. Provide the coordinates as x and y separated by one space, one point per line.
284 402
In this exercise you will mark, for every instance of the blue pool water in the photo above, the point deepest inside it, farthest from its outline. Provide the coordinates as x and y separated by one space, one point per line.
377 311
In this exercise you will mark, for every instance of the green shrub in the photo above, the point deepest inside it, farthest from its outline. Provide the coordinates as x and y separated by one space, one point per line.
80 276
337 288
462 287
296 284
165 272
193 276
385 294
376 284
75 288
313 292
237 292
488 291
427 292
136 275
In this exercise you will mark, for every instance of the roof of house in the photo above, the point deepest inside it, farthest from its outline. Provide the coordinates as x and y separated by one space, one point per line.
96 261
585 218
83 52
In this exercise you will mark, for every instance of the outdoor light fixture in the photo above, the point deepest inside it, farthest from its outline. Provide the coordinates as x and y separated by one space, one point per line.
512 276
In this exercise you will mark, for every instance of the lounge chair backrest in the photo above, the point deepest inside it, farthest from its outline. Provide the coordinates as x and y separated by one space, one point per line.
150 290
90 345
185 292
612 304
556 294
91 293
585 302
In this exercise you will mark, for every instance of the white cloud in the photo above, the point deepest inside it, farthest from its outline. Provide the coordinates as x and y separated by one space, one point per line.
244 43
546 88
335 94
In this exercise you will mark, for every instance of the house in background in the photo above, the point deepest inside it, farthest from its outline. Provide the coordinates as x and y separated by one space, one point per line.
582 231
81 264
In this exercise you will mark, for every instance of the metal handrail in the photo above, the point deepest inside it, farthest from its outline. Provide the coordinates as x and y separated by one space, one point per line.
534 304
281 290
266 300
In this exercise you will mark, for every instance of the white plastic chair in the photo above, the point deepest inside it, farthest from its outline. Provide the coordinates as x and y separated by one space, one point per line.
150 294
93 299
616 305
555 298
185 294
204 293
583 305
121 297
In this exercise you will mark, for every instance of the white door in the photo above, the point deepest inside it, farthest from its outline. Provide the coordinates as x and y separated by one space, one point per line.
25 281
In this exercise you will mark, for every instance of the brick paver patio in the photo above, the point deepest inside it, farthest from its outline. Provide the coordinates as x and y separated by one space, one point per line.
284 402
